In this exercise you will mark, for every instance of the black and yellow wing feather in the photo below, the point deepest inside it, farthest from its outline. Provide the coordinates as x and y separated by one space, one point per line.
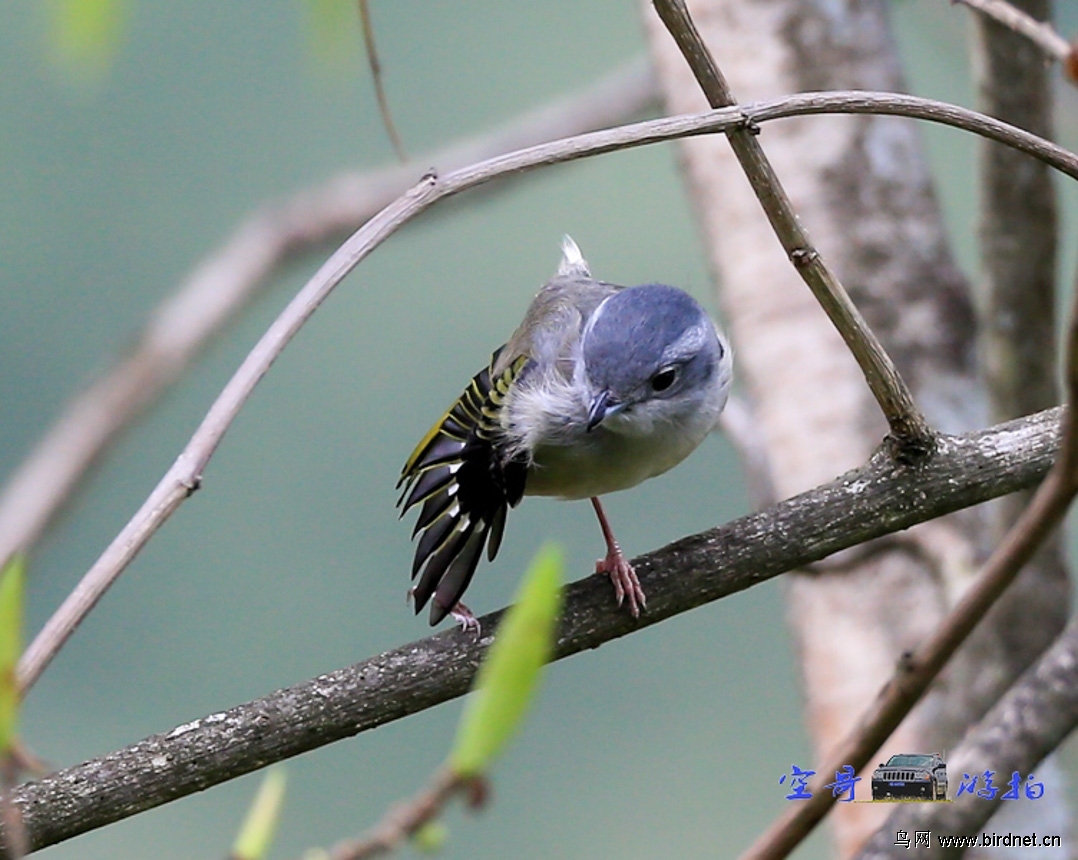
461 476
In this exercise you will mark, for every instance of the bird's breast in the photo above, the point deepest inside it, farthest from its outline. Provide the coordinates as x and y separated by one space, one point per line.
603 461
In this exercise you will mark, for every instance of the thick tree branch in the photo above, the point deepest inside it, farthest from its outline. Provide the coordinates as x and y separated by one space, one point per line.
186 473
1018 234
878 499
1041 709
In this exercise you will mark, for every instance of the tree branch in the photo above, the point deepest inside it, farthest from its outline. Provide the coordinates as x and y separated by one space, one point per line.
1041 708
1040 33
186 473
880 498
1034 717
912 435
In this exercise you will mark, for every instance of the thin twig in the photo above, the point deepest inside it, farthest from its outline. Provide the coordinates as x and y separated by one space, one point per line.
404 821
218 289
917 671
376 76
17 844
912 435
1030 721
880 498
1041 33
186 474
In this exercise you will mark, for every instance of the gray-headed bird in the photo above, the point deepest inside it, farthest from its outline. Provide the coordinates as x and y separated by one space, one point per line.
601 387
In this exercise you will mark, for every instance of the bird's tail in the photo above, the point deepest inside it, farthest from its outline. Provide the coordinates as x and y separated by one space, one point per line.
457 474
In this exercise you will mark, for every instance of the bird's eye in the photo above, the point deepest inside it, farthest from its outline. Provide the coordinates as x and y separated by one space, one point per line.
664 379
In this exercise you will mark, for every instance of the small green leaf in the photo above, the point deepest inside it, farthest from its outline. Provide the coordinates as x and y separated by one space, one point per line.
431 837
258 828
85 35
509 675
333 30
11 596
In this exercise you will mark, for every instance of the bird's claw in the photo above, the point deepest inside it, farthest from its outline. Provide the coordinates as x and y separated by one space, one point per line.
461 614
625 581
466 619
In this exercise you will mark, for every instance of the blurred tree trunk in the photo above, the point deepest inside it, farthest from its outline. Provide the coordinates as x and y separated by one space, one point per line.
862 189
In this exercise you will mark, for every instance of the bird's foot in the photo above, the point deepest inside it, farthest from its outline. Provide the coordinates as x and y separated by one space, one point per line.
466 619
461 614
626 583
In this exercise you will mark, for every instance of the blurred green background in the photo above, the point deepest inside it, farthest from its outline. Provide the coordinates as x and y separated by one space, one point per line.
291 560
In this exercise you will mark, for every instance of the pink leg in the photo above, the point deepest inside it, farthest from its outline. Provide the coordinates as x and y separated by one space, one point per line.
466 619
461 614
617 567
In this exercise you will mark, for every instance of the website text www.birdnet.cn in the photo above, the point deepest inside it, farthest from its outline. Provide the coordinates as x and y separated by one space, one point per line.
988 839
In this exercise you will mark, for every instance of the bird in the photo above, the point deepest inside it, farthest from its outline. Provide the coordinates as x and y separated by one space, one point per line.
601 387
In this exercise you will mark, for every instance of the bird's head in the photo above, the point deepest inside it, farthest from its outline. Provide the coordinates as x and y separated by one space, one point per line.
652 356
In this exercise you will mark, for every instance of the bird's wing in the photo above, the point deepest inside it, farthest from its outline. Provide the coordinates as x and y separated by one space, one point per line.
459 475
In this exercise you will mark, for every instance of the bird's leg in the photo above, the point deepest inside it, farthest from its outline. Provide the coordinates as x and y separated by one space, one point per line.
617 567
466 619
461 614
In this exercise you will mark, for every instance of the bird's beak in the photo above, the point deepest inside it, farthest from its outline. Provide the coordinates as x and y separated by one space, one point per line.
602 407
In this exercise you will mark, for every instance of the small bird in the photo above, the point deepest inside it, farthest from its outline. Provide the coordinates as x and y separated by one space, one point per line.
601 387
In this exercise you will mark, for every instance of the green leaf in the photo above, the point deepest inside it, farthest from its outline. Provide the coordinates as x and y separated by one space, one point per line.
258 828
11 597
85 35
430 837
510 673
333 29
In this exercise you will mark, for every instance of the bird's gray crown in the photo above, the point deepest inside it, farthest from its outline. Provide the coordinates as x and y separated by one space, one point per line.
639 331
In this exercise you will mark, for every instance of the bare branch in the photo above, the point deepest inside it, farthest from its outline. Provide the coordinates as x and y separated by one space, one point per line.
878 499
1041 33
376 75
1017 333
186 473
1034 717
226 281
405 820
912 435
